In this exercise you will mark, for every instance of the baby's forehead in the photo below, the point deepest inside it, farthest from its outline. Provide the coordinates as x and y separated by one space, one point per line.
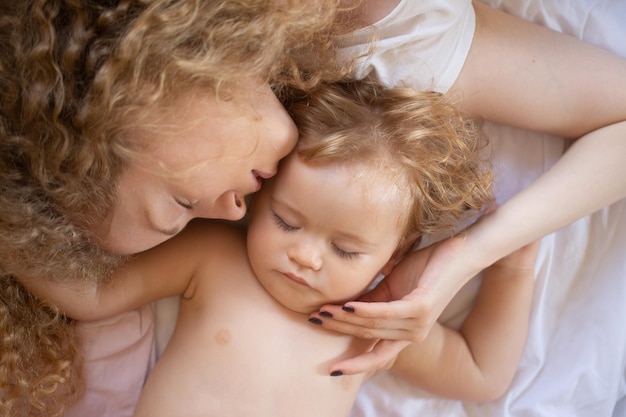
372 172
376 172
379 181
359 193
382 181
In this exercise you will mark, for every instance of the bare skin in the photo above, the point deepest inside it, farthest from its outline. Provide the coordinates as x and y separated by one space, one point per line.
548 82
241 332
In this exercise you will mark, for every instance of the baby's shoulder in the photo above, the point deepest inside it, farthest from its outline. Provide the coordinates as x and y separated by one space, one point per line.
218 250
215 237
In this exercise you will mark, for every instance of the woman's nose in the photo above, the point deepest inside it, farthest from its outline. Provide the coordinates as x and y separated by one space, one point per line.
285 136
228 206
305 253
281 130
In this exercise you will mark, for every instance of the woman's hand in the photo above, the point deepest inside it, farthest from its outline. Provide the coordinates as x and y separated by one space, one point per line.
404 306
426 280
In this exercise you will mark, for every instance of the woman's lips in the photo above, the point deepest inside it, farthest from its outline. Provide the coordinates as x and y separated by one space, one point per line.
259 176
259 182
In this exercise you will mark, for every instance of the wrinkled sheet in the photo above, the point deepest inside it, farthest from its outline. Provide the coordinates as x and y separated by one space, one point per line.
575 355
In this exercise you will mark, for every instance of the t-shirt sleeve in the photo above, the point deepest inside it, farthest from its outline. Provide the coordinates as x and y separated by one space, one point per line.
420 44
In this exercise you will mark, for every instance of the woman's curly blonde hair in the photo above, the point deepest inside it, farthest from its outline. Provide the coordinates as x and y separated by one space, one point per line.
436 155
76 77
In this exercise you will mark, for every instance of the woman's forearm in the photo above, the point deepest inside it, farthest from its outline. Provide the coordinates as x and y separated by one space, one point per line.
589 176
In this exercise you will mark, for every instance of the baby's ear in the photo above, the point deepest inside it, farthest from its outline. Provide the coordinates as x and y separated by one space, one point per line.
386 270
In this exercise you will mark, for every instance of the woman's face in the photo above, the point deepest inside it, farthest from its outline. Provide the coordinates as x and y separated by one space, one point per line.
202 160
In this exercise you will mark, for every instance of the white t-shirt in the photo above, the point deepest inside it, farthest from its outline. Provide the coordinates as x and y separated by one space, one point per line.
421 44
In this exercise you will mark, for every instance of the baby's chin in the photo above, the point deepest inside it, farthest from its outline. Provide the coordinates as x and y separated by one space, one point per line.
301 308
310 309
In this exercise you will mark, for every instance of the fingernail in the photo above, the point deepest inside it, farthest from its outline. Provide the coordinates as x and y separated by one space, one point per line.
336 373
325 314
348 309
315 320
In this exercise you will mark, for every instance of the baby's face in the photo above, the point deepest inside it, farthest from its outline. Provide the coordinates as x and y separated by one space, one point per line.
204 158
320 234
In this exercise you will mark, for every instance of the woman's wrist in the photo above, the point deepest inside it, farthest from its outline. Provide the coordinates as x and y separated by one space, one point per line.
481 244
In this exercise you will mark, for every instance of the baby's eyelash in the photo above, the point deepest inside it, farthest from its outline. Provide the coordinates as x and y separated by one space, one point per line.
281 223
344 254
288 228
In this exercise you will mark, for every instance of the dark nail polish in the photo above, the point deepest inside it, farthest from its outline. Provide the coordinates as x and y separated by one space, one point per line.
336 373
348 309
315 320
326 314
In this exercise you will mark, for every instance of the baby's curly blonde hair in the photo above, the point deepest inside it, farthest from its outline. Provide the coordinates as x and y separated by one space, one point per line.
76 78
436 155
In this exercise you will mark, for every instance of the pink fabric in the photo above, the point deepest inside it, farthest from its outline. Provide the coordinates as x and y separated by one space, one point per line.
118 357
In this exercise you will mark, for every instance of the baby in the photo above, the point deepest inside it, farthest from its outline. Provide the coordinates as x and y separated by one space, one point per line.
374 170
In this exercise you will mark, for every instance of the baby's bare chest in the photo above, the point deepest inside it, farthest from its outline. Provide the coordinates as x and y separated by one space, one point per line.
241 356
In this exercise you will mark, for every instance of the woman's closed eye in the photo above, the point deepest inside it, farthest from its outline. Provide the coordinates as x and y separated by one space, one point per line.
183 203
282 224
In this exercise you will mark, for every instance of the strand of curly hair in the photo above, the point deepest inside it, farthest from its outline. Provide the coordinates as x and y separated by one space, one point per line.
38 378
440 155
76 77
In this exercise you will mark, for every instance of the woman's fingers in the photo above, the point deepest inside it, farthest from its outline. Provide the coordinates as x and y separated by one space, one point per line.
402 308
381 357
394 320
391 310
365 332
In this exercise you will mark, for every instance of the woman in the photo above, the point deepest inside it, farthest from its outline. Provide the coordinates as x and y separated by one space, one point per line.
121 121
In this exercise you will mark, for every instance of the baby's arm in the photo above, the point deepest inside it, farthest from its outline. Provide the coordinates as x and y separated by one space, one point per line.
165 270
478 362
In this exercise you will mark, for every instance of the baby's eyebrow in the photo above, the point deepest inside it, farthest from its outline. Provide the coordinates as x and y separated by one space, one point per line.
354 238
285 206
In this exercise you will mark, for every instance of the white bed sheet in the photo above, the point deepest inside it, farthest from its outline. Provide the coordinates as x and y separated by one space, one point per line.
575 356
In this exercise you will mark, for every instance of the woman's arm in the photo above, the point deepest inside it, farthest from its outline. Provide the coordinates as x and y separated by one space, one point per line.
524 75
404 307
478 362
